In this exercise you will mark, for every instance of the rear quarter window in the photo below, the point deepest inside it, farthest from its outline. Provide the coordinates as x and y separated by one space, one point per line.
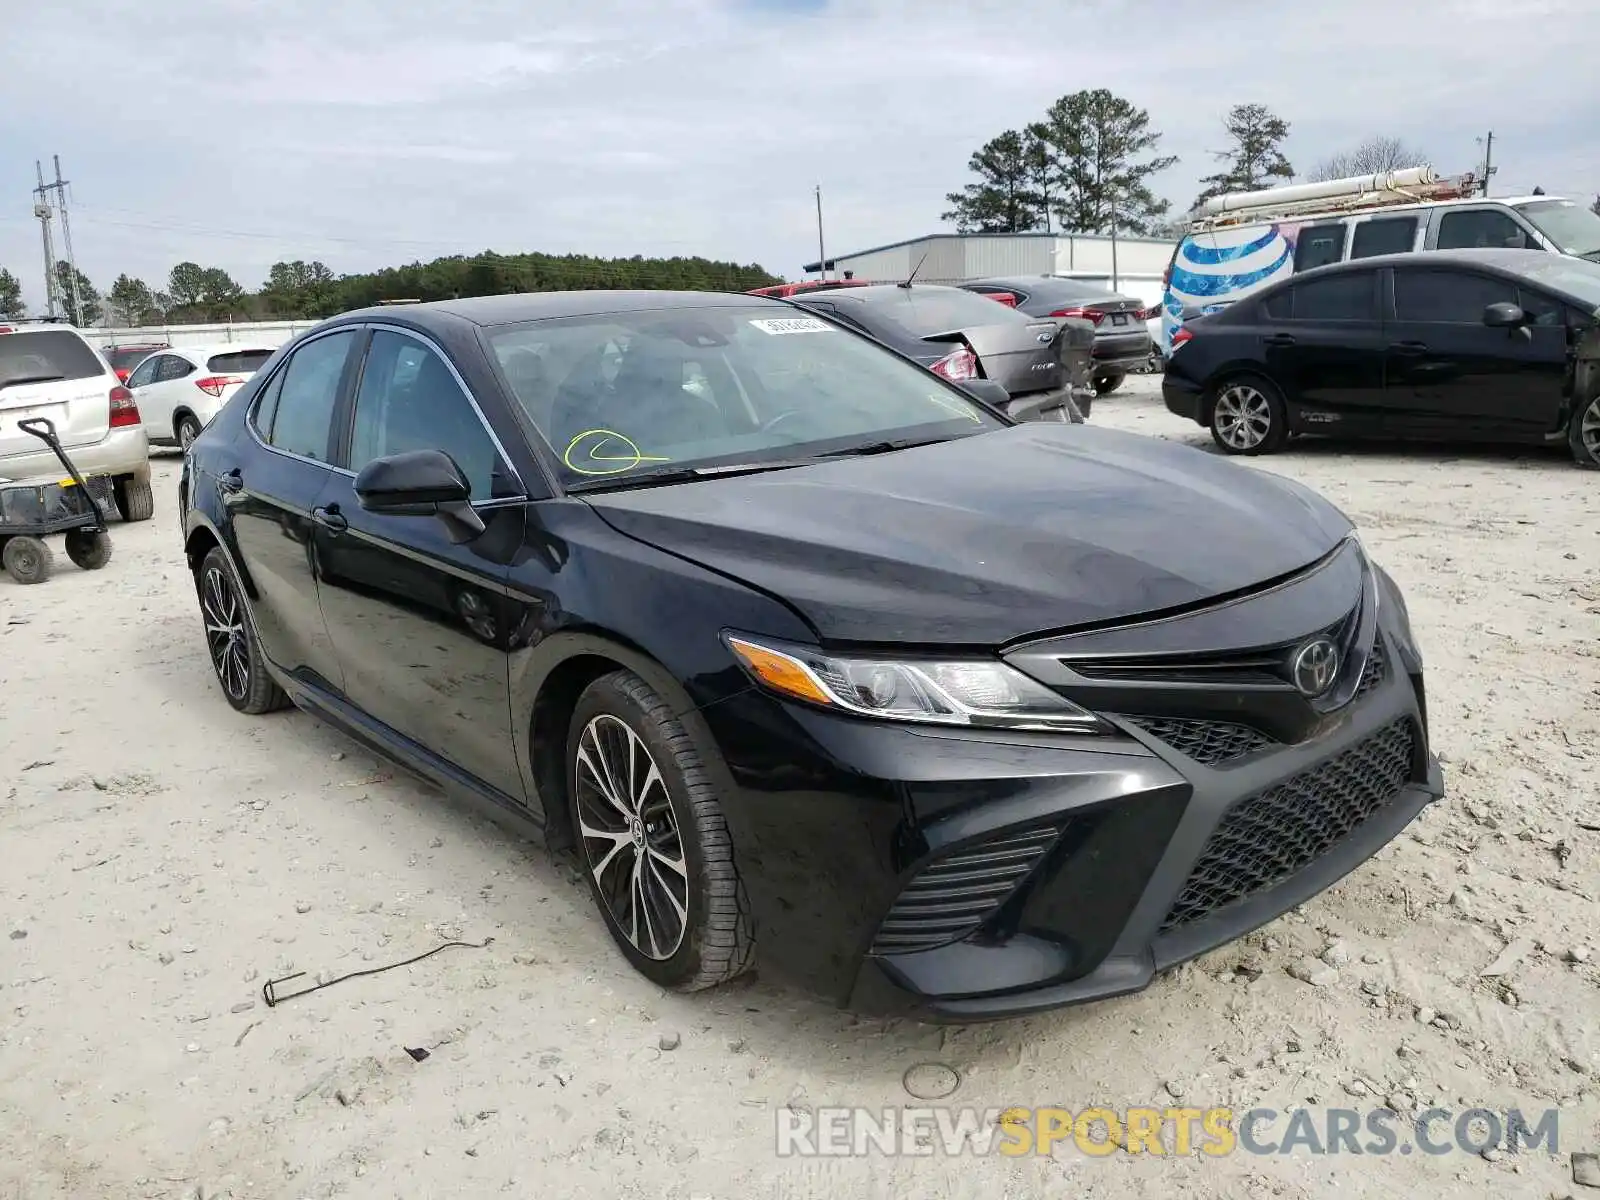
47 354
238 360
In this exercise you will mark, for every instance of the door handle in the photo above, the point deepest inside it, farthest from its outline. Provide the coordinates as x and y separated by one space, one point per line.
330 518
1279 339
231 482
1408 347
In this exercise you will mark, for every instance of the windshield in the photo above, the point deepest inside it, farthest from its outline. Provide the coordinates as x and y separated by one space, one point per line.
1575 276
628 393
920 311
46 354
1571 226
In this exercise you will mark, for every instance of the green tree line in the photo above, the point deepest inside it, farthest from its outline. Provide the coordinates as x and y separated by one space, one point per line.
1088 165
300 290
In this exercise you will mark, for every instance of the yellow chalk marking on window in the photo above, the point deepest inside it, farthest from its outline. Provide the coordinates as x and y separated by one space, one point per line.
956 407
589 445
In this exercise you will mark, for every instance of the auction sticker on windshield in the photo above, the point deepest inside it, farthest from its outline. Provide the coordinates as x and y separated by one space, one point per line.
793 325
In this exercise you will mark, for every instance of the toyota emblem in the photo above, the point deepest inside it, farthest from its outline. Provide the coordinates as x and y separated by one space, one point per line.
1316 666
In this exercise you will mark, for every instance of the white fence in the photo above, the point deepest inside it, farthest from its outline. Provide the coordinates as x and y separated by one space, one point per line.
266 333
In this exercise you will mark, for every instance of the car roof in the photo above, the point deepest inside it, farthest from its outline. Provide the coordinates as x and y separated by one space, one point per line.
513 309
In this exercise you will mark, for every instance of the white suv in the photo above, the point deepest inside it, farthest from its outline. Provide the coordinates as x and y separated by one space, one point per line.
48 370
179 389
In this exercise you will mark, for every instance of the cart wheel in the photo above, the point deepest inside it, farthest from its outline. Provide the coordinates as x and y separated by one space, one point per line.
28 559
90 549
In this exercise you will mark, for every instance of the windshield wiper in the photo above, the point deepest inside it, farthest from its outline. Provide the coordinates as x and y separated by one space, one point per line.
883 447
666 475
16 379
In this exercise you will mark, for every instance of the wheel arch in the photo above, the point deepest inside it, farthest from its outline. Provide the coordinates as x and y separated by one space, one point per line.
571 662
179 413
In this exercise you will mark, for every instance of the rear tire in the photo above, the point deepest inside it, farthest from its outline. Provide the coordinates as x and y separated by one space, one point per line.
231 641
27 559
648 827
1248 416
186 430
134 497
89 549
1583 436
1104 385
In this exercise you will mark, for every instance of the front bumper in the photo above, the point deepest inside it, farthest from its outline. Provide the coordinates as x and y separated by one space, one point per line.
1070 869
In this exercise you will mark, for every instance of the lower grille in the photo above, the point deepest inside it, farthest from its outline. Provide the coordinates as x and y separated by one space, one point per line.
1208 742
950 898
1266 838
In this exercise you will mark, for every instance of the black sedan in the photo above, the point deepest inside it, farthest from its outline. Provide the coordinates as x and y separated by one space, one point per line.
811 659
962 337
1122 341
1469 345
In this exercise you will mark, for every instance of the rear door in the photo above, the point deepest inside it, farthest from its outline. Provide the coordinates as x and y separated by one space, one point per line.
55 374
1322 342
271 497
1447 373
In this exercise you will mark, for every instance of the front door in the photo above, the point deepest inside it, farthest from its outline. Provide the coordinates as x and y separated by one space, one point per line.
272 497
1323 344
1447 374
424 625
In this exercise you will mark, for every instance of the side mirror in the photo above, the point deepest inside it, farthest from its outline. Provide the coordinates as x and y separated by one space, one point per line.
420 483
988 391
1504 315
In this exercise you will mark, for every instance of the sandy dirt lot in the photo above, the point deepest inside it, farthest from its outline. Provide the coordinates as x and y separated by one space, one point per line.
161 856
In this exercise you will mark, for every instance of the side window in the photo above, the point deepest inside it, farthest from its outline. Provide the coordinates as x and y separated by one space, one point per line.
145 373
1481 228
1279 305
1319 245
302 404
1389 235
1447 297
1342 298
1542 309
172 367
410 400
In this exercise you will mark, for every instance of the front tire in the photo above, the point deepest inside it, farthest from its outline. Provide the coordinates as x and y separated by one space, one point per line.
651 838
1104 385
1248 416
1583 435
231 642
28 559
134 498
89 549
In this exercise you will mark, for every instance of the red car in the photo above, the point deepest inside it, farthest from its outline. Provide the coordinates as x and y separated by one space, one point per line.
124 359
783 291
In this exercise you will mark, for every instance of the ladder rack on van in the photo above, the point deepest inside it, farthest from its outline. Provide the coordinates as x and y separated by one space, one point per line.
1415 185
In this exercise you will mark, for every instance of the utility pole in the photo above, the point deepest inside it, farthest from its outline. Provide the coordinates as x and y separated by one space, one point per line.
66 242
822 254
1488 162
41 209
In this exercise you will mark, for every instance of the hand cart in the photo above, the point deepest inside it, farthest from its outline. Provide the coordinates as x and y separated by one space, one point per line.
29 512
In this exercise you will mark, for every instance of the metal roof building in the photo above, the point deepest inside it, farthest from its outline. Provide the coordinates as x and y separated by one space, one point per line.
958 257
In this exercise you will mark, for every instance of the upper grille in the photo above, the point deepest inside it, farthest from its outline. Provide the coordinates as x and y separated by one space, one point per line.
1376 670
950 898
1208 742
1266 838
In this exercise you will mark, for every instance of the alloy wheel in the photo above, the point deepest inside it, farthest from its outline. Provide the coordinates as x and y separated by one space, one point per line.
1589 430
187 432
630 837
225 633
1242 416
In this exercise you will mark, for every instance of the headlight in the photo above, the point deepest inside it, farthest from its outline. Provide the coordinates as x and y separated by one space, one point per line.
971 692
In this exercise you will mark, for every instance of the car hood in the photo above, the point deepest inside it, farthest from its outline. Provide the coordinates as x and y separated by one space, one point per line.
990 538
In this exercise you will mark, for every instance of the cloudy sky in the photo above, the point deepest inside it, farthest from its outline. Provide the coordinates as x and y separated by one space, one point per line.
374 132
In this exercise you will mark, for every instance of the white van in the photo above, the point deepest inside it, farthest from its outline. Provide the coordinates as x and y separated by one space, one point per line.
1244 241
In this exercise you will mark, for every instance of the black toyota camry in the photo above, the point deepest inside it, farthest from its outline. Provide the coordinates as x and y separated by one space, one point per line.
816 661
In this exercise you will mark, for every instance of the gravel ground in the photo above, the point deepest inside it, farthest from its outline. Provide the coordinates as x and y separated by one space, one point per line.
163 856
